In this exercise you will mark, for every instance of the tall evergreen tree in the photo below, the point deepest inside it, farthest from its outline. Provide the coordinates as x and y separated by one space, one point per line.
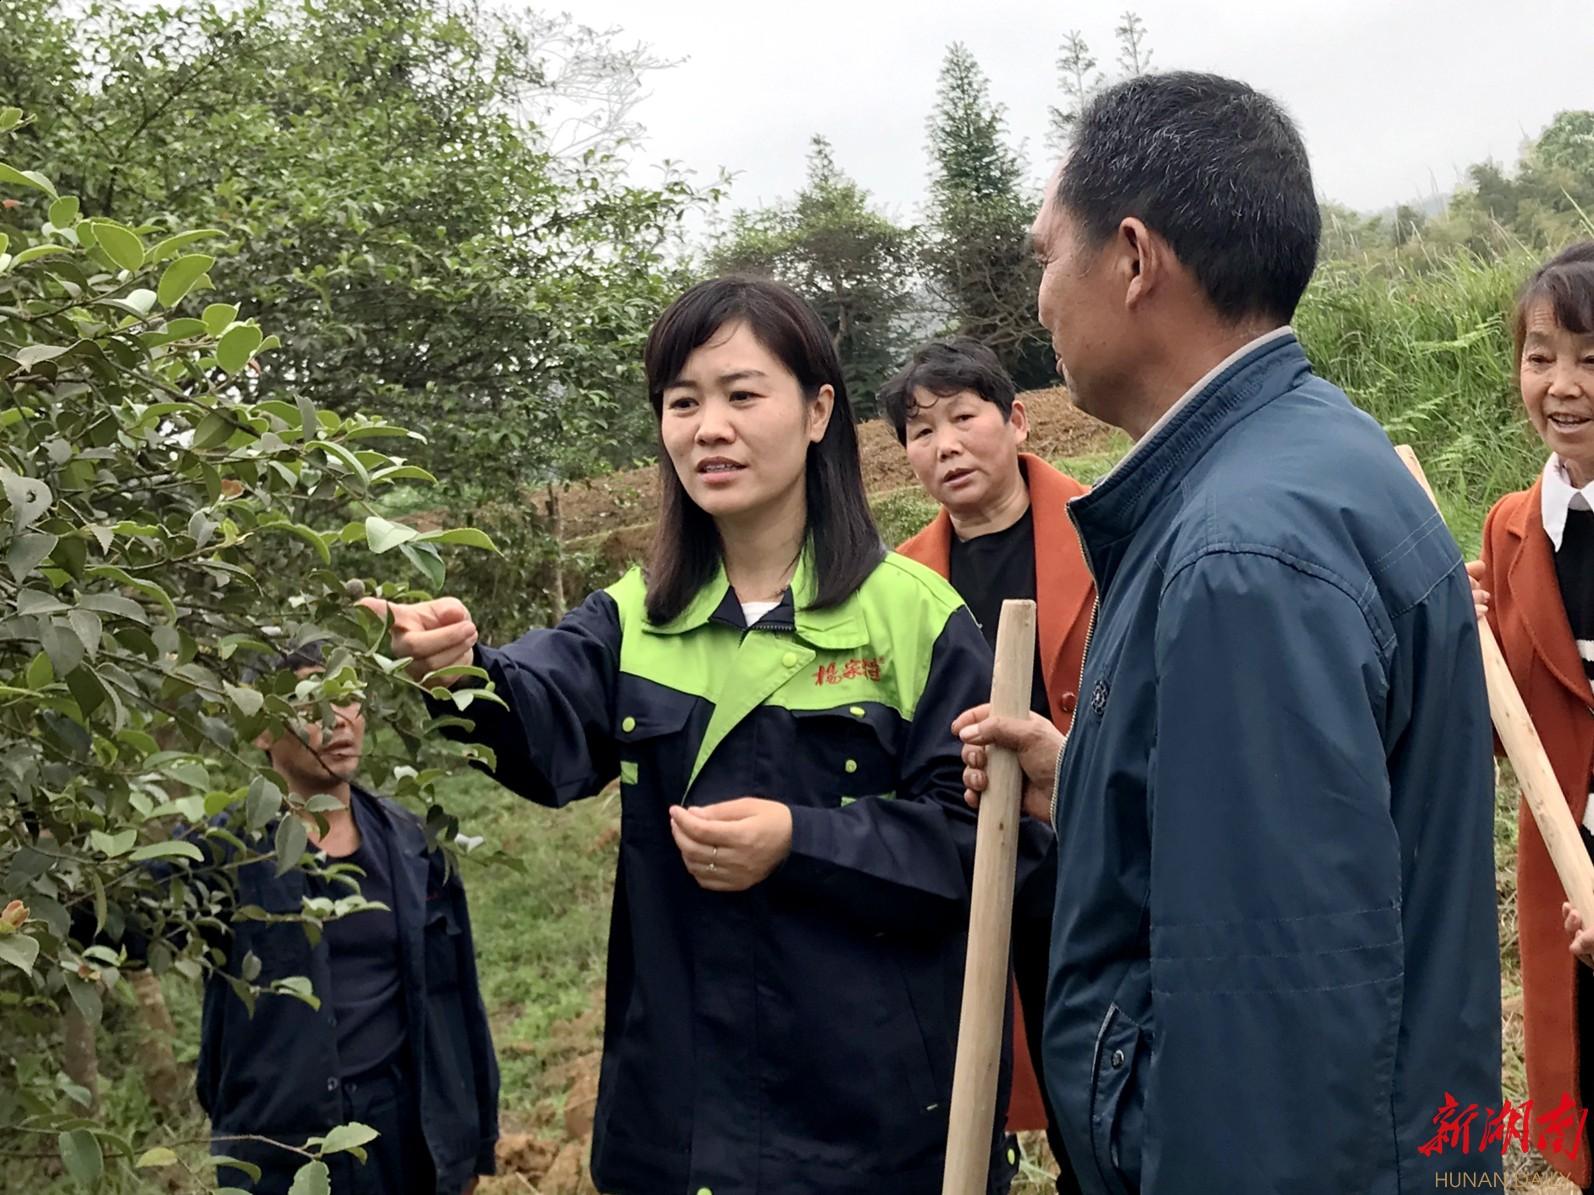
976 260
852 263
1079 79
1134 55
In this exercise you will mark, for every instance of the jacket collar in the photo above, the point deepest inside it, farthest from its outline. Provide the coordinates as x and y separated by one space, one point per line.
1558 496
1532 579
1160 461
837 628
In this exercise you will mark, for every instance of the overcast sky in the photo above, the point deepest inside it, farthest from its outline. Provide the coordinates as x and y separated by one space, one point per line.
1395 97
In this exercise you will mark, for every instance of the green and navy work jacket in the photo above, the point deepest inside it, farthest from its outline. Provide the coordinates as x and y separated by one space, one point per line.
796 1037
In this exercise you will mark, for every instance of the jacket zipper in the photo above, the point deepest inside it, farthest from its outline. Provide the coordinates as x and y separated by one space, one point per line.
1090 633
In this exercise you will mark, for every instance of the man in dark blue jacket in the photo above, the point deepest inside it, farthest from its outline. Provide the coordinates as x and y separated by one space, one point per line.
1275 949
399 1040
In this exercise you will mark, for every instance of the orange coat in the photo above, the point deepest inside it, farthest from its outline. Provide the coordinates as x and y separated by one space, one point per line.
1528 617
1063 591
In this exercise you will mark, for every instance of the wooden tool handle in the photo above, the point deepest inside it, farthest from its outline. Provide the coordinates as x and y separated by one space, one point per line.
979 1054
1540 789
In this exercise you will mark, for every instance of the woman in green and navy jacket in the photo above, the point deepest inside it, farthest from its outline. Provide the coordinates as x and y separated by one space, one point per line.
775 694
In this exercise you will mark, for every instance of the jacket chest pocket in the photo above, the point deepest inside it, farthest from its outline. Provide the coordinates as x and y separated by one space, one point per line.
847 753
651 741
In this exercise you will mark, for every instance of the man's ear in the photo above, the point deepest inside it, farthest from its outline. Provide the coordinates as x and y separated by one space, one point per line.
264 741
1143 261
819 412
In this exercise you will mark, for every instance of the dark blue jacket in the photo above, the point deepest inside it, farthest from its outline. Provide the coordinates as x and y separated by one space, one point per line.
275 1073
1275 946
796 1038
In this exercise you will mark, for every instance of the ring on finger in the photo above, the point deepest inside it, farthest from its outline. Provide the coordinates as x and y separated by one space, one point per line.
713 860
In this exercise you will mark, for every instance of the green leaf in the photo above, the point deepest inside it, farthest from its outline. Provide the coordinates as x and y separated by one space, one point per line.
383 536
87 689
174 848
29 498
308 534
348 1136
348 459
33 354
139 302
247 700
307 420
113 846
64 211
64 647
121 244
10 118
290 843
26 178
470 537
217 316
147 588
313 1178
80 1153
236 346
264 803
159 1156
214 429
248 1168
174 244
27 551
19 950
178 278
38 251
299 988
424 557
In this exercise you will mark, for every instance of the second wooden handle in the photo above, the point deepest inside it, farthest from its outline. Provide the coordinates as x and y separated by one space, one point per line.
979 1053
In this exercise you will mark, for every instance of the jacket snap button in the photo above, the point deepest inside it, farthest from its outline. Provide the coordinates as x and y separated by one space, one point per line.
332 1083
1117 1059
851 765
858 711
628 725
704 1191
790 661
1068 702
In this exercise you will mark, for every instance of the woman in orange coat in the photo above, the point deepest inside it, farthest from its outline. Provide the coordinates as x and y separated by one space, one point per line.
1536 580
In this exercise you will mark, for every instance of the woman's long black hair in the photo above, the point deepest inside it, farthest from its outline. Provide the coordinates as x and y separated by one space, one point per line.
686 549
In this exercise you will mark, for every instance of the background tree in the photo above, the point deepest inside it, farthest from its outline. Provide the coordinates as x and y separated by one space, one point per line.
144 479
852 263
429 207
975 255
1079 80
1134 55
1547 201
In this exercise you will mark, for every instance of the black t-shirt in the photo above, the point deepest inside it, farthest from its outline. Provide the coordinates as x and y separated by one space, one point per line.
1574 569
989 569
363 950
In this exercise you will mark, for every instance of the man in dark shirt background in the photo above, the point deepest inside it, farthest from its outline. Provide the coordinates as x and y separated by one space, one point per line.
1003 531
399 1039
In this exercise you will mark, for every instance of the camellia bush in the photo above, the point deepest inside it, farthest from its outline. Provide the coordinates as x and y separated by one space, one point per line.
162 533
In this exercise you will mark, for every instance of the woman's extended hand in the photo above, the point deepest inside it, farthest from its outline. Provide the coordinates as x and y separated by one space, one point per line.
733 845
435 634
